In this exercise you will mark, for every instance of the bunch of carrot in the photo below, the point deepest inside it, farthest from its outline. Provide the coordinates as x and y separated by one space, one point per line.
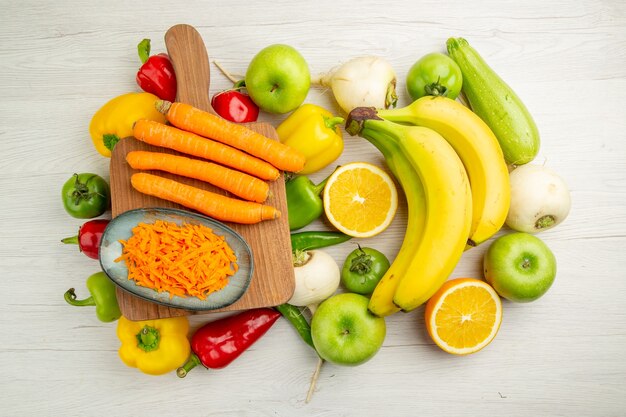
235 158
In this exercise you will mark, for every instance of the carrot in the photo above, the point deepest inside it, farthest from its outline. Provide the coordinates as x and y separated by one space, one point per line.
214 205
158 134
211 126
182 260
236 182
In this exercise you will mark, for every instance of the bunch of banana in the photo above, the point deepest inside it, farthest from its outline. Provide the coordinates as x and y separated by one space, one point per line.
440 209
479 150
381 301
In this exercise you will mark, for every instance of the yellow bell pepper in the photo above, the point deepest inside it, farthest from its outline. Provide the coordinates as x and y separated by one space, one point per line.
154 347
114 120
314 131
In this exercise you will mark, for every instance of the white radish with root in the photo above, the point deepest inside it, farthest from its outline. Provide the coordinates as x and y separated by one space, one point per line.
540 199
317 278
367 81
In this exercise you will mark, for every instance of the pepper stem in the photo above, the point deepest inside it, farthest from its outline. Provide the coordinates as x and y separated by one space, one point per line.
143 49
319 187
239 85
110 140
70 298
148 338
73 240
191 363
332 122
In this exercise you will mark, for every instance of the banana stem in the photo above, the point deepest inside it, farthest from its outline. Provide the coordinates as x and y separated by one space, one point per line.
366 122
357 117
384 135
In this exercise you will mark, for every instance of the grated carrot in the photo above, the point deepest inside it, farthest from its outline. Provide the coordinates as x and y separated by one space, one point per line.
187 260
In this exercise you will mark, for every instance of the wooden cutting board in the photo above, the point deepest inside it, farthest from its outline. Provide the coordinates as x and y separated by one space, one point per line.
273 278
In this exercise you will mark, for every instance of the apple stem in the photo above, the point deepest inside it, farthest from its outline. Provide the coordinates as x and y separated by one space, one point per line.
233 77
314 378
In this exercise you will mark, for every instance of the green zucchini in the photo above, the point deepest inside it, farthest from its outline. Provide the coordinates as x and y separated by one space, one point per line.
497 104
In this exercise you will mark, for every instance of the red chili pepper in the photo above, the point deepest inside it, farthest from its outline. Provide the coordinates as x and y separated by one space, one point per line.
88 238
217 344
234 105
156 75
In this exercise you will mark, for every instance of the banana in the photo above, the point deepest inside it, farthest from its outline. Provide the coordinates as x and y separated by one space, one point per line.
448 215
440 203
381 302
479 150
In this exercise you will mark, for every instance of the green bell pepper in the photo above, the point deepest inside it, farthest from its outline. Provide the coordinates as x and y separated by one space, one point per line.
304 203
103 296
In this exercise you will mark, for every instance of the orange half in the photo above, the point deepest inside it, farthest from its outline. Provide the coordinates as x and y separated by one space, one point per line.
463 316
360 199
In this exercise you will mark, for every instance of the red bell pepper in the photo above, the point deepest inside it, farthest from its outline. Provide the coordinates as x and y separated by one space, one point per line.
156 75
218 343
88 237
234 105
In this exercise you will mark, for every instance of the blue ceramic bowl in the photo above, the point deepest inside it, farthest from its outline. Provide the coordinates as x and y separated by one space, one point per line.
120 228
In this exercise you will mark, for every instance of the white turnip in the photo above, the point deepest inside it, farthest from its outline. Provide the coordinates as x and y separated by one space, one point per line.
317 278
540 199
366 81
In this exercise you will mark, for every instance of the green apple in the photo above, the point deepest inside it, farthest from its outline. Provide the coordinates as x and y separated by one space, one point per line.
278 79
344 332
520 267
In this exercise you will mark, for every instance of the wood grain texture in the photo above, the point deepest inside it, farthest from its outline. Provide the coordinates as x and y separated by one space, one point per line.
191 64
272 280
560 356
273 277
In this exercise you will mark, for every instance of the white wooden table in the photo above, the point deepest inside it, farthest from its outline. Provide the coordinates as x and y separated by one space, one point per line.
564 355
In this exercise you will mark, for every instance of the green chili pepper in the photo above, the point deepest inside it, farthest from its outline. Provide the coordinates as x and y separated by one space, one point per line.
314 240
304 203
298 321
103 296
